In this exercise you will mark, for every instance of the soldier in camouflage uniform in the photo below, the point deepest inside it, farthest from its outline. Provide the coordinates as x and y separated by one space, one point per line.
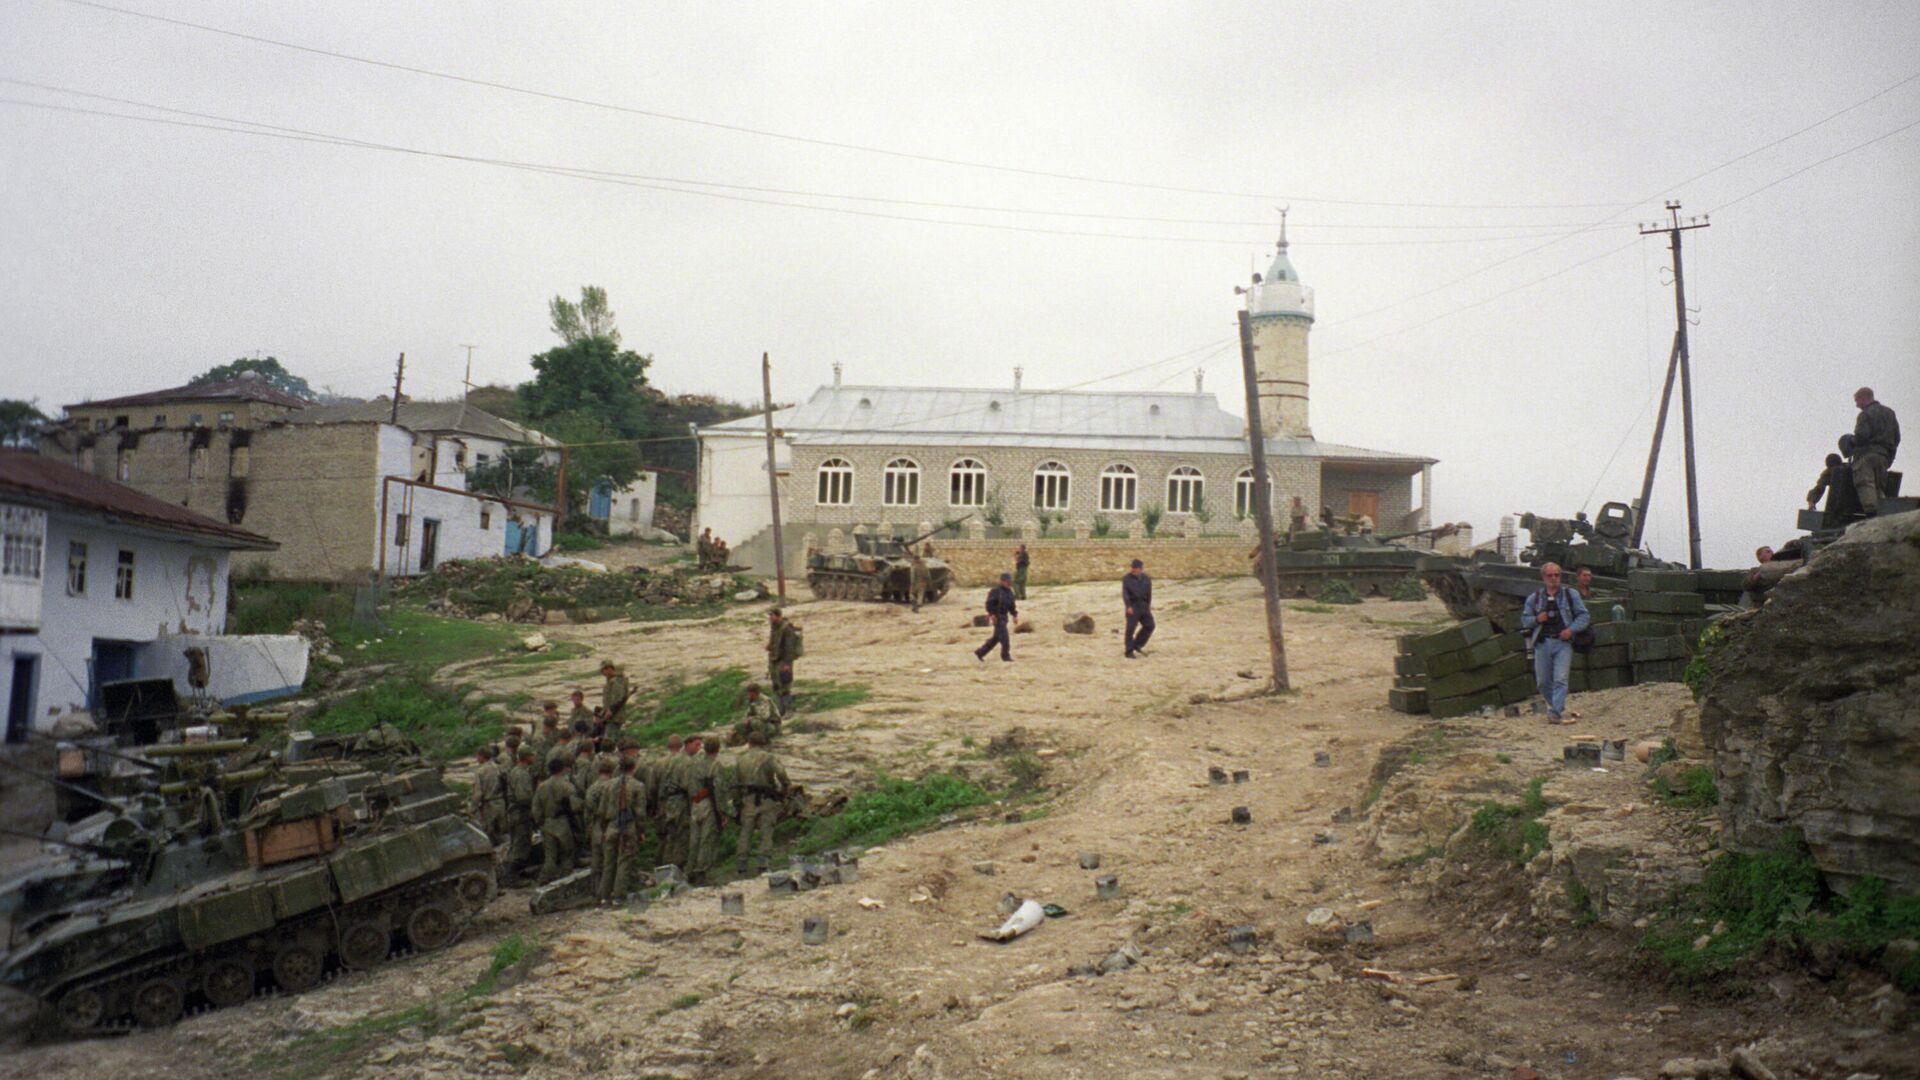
580 714
489 796
916 579
520 791
614 695
598 819
725 770
556 806
626 808
561 750
550 729
760 793
672 804
696 775
783 648
760 715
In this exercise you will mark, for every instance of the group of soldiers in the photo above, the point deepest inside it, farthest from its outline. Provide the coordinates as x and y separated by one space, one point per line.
711 550
595 798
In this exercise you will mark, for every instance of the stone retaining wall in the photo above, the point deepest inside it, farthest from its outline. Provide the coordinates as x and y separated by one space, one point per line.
978 563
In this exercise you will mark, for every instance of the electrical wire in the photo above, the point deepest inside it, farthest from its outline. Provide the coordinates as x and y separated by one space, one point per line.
810 140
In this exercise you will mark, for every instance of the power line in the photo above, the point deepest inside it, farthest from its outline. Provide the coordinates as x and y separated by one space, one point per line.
810 140
598 176
1814 165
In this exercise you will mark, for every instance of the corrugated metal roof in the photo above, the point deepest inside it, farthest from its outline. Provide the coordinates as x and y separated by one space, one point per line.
236 389
427 416
43 481
1119 421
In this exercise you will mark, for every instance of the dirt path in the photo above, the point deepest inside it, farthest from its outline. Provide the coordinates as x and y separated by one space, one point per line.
908 990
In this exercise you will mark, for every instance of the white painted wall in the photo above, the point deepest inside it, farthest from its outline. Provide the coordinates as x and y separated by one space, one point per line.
732 498
632 509
241 668
179 588
461 533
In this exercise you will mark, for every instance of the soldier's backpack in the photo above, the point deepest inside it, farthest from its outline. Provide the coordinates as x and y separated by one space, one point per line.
799 640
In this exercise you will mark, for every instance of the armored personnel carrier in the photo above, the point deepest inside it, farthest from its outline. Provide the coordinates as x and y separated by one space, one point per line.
879 568
147 910
1307 561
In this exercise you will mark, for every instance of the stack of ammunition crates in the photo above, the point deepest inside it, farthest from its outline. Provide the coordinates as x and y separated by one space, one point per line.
1459 670
1672 612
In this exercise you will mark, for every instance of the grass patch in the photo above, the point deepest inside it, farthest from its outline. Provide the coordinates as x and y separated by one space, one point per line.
578 541
1778 899
430 714
1580 901
264 606
507 952
557 651
1514 830
1503 758
1312 609
681 708
684 1001
1700 668
895 808
1419 858
1695 791
1662 754
421 642
1374 791
825 695
1338 591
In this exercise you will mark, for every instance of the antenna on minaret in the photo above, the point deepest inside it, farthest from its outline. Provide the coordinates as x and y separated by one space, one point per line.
1283 226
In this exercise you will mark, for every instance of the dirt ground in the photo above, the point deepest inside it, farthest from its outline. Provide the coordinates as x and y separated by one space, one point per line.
904 987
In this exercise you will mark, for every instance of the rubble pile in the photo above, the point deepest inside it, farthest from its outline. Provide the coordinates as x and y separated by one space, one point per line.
1809 709
320 644
520 589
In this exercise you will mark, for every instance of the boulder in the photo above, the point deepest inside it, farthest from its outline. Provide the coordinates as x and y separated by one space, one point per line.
1079 624
1810 709
982 620
1023 626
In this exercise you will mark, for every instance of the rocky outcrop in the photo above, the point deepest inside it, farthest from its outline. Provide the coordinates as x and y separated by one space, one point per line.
1813 709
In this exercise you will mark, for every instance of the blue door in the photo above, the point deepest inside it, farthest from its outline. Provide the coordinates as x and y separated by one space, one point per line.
600 500
523 539
112 661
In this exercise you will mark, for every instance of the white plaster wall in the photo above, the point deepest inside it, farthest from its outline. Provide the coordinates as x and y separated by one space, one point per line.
178 588
461 534
241 668
632 508
733 485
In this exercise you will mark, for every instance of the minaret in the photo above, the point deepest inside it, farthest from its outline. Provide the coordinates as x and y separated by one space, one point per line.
1282 311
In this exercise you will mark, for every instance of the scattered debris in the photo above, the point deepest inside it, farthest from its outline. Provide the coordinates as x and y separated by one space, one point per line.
1322 759
1242 816
1241 939
1107 886
1079 624
1024 918
1089 860
1360 933
1216 774
871 904
813 930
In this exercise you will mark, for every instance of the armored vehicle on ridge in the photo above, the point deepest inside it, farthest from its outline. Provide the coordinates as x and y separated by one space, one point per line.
1307 561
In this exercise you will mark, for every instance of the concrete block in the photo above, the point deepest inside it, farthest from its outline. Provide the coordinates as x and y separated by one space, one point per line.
1107 887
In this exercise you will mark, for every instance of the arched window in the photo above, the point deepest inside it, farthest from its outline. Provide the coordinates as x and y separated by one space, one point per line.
901 485
1119 488
836 482
1243 493
1186 491
1051 486
967 483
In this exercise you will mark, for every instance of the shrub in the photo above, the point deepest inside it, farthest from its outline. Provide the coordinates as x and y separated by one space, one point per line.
1700 668
1407 588
1514 830
1150 516
1696 790
1102 525
1338 591
578 541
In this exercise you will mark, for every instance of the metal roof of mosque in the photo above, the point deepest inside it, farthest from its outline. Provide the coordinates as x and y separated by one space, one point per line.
1118 420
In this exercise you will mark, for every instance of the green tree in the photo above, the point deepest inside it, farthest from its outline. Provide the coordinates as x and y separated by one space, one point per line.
20 423
591 377
268 368
590 318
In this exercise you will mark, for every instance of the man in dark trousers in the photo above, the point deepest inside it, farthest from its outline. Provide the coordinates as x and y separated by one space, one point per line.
1000 612
1021 560
1136 592
1876 436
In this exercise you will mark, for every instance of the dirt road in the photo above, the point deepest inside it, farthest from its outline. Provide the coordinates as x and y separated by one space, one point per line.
905 988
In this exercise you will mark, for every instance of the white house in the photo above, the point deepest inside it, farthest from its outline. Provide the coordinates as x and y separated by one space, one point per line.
101 582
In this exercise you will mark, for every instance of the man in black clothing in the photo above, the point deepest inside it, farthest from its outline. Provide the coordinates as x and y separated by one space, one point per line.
1136 592
1836 483
1000 612
1876 436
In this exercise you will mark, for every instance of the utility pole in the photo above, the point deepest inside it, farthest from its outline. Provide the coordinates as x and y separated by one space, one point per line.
399 373
1678 361
773 480
1263 507
468 381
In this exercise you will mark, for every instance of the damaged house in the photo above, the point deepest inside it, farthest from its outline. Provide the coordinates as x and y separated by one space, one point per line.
346 491
99 582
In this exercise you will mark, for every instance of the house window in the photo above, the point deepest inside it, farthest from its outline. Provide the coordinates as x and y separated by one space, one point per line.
193 419
100 424
1243 493
482 459
399 530
123 576
123 470
902 483
241 462
836 483
23 535
225 419
76 568
967 483
1186 491
159 419
1119 488
122 421
1051 486
486 517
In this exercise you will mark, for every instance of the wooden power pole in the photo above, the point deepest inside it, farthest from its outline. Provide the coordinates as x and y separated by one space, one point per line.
1263 508
773 481
399 373
1678 361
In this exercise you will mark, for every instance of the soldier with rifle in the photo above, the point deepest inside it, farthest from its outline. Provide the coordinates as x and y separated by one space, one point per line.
625 830
614 695
489 796
760 794
599 816
556 806
783 648
520 792
671 802
916 578
760 715
703 810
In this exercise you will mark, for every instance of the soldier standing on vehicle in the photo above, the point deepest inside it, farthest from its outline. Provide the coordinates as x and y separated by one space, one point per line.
760 795
489 796
783 648
626 810
1876 436
1136 593
916 578
1836 483
1001 610
1021 560
556 806
520 792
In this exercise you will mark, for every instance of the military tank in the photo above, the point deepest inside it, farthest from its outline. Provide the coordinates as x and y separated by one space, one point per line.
879 568
1306 561
1487 587
146 909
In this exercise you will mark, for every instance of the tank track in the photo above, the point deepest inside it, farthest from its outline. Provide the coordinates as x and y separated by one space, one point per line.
1466 602
1306 582
159 990
841 585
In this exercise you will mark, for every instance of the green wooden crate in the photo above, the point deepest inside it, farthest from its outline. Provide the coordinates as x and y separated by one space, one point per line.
1460 706
1405 700
1410 682
1646 581
1659 671
1408 664
1670 603
1517 689
1731 581
1480 678
1453 638
1619 633
1609 678
1660 648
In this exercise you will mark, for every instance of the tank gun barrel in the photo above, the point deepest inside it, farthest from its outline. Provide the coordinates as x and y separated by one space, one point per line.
142 762
232 779
222 746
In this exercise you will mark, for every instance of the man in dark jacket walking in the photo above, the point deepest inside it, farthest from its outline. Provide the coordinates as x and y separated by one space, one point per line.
1000 612
1136 592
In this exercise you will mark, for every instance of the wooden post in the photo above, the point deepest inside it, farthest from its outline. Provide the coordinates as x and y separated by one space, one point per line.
773 481
1263 508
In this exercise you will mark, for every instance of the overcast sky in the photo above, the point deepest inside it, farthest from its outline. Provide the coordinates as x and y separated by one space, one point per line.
134 255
